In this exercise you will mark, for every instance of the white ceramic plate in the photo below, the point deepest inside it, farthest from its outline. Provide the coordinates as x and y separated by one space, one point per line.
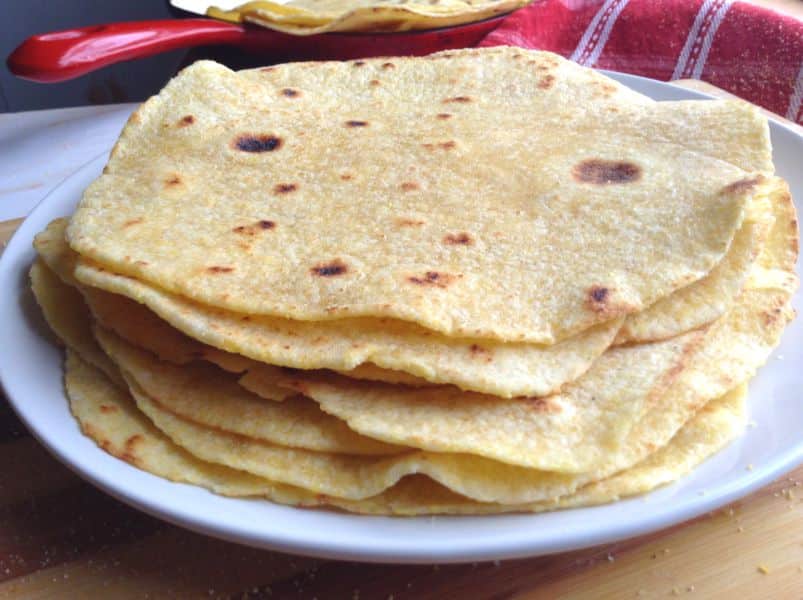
31 374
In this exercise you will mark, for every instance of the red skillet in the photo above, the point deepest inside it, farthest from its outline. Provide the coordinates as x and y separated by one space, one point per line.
62 55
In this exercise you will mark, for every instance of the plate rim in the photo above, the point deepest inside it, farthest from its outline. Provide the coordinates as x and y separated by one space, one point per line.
320 544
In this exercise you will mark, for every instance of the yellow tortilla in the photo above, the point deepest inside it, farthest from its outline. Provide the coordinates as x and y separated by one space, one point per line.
248 204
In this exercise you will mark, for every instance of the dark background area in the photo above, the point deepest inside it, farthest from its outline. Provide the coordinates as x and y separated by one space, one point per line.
126 82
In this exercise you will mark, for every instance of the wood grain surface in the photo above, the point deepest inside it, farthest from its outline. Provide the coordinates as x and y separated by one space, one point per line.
62 538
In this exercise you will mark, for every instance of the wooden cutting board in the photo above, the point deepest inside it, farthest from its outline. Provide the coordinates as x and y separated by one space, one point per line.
61 538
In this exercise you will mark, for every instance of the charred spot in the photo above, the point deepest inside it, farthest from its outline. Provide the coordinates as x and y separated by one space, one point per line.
409 186
403 222
458 100
131 222
290 93
186 120
546 82
598 294
433 279
254 228
444 116
346 176
388 65
458 239
257 143
358 63
219 269
174 179
332 268
267 69
600 300
107 408
374 82
603 172
743 186
356 123
285 188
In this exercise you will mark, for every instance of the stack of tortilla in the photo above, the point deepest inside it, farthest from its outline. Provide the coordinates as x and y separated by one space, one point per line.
309 17
481 281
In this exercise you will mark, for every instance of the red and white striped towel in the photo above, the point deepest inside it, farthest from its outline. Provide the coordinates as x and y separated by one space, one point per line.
747 50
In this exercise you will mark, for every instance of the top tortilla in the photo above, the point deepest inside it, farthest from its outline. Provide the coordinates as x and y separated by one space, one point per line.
463 191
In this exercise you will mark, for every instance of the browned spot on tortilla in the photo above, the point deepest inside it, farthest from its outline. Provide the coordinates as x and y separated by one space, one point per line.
330 269
346 176
543 405
285 188
186 120
481 353
219 269
290 93
444 116
598 294
374 82
742 186
358 63
461 239
108 408
409 186
356 123
599 300
442 145
603 172
388 65
131 442
457 99
771 316
608 89
141 263
131 222
267 69
546 82
174 179
254 143
254 228
434 279
406 222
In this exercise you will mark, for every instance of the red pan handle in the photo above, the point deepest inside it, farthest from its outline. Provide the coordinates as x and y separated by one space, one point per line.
62 55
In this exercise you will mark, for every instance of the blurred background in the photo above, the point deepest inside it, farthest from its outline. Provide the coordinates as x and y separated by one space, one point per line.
119 83
135 80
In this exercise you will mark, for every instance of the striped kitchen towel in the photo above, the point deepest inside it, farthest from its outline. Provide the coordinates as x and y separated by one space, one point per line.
750 51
